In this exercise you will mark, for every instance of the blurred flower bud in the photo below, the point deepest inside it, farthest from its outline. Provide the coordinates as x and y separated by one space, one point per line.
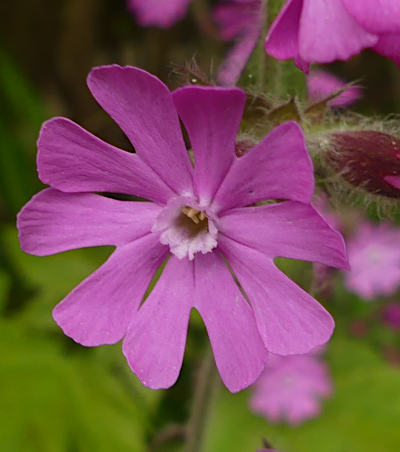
367 159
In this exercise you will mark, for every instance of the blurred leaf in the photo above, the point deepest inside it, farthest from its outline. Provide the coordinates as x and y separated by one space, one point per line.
19 93
4 289
18 180
52 402
20 120
52 276
362 416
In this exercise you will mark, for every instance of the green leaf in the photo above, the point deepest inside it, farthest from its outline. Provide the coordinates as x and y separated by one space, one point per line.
56 402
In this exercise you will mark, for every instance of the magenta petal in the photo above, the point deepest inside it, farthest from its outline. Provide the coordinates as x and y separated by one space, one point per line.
242 21
393 180
377 16
282 40
158 13
73 160
211 117
388 45
236 59
289 320
54 221
328 32
321 84
142 106
288 229
155 343
278 167
238 349
99 310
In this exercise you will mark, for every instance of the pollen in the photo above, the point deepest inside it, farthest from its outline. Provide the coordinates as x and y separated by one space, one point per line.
195 215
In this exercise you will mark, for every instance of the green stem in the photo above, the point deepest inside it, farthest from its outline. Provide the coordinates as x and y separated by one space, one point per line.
261 54
206 384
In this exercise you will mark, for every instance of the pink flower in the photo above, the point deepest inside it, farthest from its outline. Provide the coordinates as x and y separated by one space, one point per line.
290 388
197 216
391 315
158 13
240 20
374 255
323 31
322 84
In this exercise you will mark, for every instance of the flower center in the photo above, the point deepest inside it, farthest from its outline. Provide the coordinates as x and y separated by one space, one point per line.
187 229
195 221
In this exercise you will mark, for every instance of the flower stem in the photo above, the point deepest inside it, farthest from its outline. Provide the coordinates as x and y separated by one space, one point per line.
261 54
207 382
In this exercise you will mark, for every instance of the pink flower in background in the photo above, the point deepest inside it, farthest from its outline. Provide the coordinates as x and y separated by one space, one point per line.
374 256
291 388
323 274
158 13
322 31
322 84
391 315
197 216
239 20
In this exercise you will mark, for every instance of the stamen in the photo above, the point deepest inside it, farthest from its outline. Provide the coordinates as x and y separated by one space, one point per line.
195 215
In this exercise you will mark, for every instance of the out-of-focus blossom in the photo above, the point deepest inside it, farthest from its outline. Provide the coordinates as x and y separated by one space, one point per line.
291 388
322 204
322 31
239 20
158 13
322 84
323 274
391 315
367 159
374 256
197 216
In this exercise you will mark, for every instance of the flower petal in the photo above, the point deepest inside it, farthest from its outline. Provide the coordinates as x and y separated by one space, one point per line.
73 160
282 40
235 61
99 310
155 13
238 349
393 180
289 320
241 21
54 221
388 45
328 32
155 343
211 117
321 84
377 16
288 229
142 106
278 167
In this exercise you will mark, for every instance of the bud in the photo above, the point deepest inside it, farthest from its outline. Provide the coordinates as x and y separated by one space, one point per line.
366 159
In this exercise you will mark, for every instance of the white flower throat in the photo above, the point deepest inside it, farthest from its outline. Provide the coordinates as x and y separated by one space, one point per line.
186 228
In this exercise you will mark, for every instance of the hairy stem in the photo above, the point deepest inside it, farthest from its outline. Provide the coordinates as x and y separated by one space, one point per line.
207 381
261 54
